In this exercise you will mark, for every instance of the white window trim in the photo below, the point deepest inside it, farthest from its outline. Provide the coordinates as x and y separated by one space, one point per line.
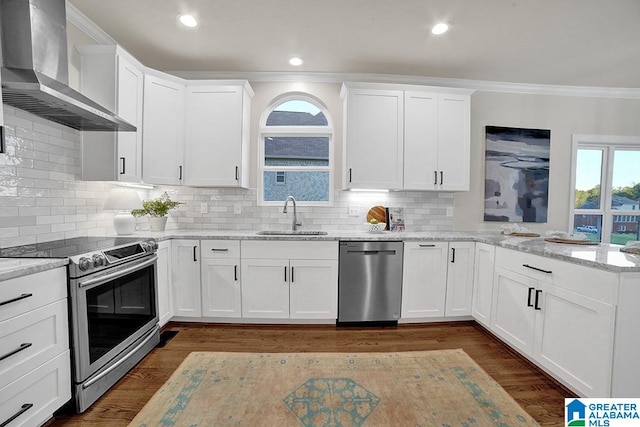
297 131
607 143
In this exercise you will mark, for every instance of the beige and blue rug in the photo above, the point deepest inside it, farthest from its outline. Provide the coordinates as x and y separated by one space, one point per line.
423 388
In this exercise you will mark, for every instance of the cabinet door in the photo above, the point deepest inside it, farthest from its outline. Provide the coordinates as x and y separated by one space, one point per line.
129 101
163 137
185 258
483 283
164 282
420 140
574 339
374 139
424 279
453 142
313 289
460 279
213 148
512 319
221 288
265 288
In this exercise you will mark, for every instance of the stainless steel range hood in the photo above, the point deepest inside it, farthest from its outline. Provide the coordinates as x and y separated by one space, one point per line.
35 74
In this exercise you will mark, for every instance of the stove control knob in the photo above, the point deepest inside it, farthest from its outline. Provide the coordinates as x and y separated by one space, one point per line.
84 263
98 260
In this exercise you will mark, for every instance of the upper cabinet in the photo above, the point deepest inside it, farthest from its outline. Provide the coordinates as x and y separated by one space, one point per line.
217 133
403 137
113 78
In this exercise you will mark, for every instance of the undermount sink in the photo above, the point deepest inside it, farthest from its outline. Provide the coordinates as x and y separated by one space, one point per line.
291 233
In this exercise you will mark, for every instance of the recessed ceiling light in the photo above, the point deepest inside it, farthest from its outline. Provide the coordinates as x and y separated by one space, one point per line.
188 20
296 62
439 28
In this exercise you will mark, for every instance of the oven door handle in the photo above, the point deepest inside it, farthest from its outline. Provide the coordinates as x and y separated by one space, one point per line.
118 273
121 361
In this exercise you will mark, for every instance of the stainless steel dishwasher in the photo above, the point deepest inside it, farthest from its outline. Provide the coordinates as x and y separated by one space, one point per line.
370 282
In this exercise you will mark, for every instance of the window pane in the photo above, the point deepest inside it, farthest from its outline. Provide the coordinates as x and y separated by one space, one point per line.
625 228
296 113
590 225
588 179
304 186
626 180
296 151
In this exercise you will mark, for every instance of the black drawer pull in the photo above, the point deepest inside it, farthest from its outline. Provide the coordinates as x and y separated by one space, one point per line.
23 346
24 408
537 269
529 303
219 250
536 306
427 246
21 297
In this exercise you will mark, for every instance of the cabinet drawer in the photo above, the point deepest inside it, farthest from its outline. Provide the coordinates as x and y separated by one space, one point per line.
22 294
221 249
590 282
290 249
31 339
38 394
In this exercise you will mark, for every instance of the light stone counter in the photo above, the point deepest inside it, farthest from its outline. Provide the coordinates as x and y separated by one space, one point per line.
16 267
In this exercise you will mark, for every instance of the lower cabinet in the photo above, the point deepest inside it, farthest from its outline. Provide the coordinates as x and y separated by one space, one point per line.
220 275
290 279
538 311
437 279
164 297
185 278
483 283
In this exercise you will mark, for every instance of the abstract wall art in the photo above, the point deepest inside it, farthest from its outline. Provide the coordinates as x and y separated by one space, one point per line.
517 174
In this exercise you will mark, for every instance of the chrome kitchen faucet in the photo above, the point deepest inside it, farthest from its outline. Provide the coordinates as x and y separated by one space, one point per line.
294 223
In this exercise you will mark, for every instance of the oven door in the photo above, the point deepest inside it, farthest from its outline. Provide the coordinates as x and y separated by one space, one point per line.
110 311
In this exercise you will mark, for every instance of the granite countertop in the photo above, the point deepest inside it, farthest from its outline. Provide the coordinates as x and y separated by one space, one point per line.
16 267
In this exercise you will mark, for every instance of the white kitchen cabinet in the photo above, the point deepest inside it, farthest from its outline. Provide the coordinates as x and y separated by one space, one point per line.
373 138
424 280
560 315
422 132
165 297
459 279
185 278
114 79
35 367
163 124
290 279
217 133
220 273
483 283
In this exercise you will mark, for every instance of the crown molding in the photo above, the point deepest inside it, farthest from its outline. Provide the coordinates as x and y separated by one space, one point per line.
87 26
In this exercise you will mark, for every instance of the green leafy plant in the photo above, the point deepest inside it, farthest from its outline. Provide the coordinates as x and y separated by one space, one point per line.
157 207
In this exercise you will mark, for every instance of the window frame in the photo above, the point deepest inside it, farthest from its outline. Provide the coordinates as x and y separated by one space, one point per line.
295 131
608 144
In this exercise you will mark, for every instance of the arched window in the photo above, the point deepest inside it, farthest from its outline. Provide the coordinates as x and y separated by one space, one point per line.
296 153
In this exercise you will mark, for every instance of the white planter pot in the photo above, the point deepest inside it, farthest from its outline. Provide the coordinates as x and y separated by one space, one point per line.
157 223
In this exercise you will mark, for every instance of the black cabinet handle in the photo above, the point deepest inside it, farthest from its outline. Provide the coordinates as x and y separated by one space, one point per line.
235 273
529 303
536 306
24 408
453 255
349 174
123 165
21 297
23 346
180 173
441 177
195 255
236 173
291 274
537 269
285 274
435 177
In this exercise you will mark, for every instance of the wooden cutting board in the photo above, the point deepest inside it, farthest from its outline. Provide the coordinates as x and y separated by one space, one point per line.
570 241
378 213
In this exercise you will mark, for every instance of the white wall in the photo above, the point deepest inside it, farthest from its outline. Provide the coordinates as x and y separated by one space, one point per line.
564 116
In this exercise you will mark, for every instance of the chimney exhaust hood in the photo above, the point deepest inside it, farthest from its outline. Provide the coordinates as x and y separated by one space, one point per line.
35 73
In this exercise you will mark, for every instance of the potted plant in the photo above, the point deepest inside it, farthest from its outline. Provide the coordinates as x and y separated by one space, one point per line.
157 209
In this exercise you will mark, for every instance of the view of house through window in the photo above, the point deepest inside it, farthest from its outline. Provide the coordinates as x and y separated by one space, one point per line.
606 205
296 160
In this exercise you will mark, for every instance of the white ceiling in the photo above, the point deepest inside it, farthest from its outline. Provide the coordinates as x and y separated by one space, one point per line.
553 42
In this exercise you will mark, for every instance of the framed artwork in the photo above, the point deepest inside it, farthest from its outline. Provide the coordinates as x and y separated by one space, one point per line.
516 185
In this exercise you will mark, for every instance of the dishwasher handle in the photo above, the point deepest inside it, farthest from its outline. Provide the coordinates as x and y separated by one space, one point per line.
374 252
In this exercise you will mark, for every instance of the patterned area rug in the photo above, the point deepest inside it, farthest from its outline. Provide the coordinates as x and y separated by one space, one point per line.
422 388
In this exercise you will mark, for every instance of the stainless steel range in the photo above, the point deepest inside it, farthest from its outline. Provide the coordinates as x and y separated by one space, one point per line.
112 305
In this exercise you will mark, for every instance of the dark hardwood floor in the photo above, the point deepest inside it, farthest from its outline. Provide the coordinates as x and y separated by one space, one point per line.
538 394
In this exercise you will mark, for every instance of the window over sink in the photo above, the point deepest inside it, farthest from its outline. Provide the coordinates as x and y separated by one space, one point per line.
296 152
